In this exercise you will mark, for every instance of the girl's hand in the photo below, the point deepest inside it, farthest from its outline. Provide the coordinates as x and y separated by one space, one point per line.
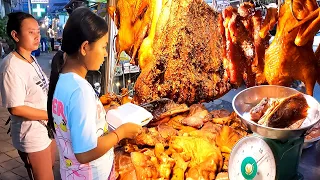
128 130
107 108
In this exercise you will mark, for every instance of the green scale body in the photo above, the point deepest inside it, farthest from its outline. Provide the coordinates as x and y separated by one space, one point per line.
255 157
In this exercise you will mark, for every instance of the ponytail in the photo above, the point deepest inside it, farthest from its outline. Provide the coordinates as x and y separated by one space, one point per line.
82 25
56 67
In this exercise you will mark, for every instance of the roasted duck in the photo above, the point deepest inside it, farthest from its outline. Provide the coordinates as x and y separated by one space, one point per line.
290 56
111 100
287 112
133 20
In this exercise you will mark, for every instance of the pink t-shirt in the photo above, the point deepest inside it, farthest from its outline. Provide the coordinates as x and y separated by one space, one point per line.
79 119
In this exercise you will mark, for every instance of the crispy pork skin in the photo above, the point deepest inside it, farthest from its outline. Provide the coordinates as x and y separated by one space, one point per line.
188 64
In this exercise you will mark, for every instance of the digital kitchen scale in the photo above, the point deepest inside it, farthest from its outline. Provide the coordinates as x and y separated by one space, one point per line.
269 153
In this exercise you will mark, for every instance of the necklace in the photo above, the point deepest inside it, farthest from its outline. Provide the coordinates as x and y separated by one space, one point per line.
41 76
44 88
23 57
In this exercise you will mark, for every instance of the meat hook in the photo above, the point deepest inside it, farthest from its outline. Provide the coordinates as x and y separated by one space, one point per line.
259 3
155 103
114 47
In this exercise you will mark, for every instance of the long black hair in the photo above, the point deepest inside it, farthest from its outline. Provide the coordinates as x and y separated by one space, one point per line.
82 25
15 21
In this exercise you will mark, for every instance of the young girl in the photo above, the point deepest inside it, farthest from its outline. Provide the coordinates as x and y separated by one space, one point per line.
24 88
74 110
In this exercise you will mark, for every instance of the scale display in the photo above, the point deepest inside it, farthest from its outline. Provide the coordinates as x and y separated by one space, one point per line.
252 159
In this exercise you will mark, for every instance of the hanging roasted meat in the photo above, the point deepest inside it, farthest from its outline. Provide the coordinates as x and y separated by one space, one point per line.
244 47
188 63
189 53
290 55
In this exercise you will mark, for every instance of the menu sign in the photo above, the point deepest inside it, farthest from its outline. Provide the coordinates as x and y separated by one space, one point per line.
39 1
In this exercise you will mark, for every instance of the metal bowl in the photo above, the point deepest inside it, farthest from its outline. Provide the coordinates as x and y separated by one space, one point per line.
311 142
248 98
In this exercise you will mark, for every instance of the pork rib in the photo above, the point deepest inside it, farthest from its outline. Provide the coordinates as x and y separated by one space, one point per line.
188 61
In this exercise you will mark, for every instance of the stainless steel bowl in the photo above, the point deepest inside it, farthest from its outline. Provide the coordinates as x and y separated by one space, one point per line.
311 142
249 97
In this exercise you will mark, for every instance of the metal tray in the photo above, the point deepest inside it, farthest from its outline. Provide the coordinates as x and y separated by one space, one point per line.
311 142
249 97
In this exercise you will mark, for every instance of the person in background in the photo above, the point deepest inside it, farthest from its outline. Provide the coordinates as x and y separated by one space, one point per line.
75 112
43 40
24 88
51 37
5 46
1 49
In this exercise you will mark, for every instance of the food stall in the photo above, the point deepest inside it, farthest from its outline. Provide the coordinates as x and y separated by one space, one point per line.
204 77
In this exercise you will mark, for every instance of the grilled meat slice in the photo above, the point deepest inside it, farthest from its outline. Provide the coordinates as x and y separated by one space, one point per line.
286 112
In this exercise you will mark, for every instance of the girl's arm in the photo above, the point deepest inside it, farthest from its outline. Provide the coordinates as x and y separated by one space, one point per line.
29 113
82 117
105 143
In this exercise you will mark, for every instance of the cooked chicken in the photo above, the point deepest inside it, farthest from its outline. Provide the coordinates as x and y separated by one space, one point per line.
234 60
133 20
222 176
206 158
227 138
269 22
197 116
220 113
290 55
144 166
146 51
108 98
164 108
285 112
125 98
209 131
124 166
258 111
179 168
150 137
166 131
